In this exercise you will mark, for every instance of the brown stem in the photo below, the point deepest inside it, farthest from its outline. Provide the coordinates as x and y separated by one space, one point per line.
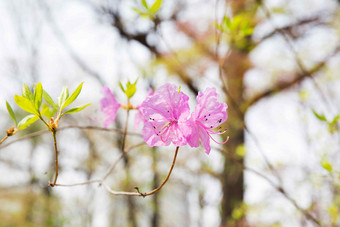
3 139
54 132
147 193
125 129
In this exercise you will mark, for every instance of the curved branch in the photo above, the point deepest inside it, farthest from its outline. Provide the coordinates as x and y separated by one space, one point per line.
146 193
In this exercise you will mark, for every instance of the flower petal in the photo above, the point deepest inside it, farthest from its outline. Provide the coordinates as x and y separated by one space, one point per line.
109 106
209 111
165 111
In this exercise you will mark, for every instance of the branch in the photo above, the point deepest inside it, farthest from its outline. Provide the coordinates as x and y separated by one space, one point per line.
292 28
69 127
297 80
61 37
139 37
78 184
147 193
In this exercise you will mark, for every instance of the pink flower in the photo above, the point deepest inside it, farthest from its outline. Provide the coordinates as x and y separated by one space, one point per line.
166 113
139 118
208 114
109 106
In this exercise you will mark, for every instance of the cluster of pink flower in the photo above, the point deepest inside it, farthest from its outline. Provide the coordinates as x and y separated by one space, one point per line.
165 114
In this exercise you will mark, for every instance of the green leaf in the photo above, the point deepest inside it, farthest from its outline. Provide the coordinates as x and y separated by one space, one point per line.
121 86
145 4
321 117
27 121
11 112
335 119
47 111
130 89
63 96
226 23
25 104
73 96
326 165
235 23
155 7
49 100
26 93
76 109
38 96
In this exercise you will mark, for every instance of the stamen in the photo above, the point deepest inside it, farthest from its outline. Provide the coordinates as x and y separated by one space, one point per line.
218 142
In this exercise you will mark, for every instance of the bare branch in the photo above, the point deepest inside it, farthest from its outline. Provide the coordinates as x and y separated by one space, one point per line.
61 37
297 80
69 127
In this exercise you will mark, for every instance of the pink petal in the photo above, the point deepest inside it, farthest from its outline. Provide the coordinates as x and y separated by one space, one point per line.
209 111
191 133
109 106
205 140
165 110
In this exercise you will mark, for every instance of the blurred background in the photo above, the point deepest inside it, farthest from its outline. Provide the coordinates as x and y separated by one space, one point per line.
274 62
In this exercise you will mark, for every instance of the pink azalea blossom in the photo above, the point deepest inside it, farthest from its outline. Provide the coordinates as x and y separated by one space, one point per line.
208 114
166 113
109 106
139 118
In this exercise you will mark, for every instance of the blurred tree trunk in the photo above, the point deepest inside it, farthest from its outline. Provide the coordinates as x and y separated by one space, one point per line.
232 179
234 67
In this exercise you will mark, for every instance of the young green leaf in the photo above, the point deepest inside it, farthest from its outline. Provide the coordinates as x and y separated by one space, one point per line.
155 7
73 96
47 111
121 86
76 109
145 4
25 104
321 117
27 121
38 96
63 96
130 89
49 100
326 165
11 112
26 93
140 12
335 119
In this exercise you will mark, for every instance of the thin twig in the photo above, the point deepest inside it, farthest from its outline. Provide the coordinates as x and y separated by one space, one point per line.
68 127
129 148
63 40
111 168
78 184
3 139
147 193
